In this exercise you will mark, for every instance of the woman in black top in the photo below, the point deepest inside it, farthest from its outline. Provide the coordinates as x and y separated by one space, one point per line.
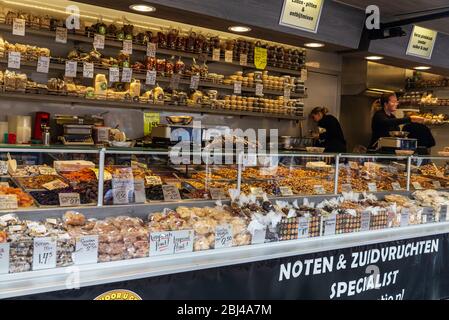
384 120
332 139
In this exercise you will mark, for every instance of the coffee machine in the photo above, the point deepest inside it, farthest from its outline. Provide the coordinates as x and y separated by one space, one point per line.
42 119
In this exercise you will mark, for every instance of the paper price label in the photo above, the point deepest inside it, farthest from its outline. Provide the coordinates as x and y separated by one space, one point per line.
259 89
234 194
3 167
417 185
194 81
127 47
127 74
161 243
216 55
99 41
114 74
287 93
86 250
258 236
217 193
8 202
260 58
228 56
346 187
171 193
4 184
237 87
69 199
183 241
61 35
151 77
243 59
330 225
44 253
257 191
14 60
365 221
436 184
372 187
396 186
153 180
223 236
43 64
120 195
151 49
139 191
428 215
405 218
443 213
71 68
88 70
18 27
303 227
4 258
55 184
318 189
286 191
174 81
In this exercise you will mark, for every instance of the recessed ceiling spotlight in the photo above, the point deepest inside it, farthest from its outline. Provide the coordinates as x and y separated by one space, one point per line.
314 45
142 8
421 68
374 58
239 29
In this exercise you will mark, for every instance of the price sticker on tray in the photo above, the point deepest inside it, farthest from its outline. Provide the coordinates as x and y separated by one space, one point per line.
3 167
127 74
243 59
259 89
114 74
171 193
8 201
417 185
318 189
216 54
86 250
151 49
44 253
61 35
127 47
4 258
183 241
194 81
217 193
43 64
99 41
396 186
286 191
238 87
303 227
223 236
365 221
88 70
14 60
69 199
161 243
228 56
151 77
71 69
372 187
18 27
54 185
436 184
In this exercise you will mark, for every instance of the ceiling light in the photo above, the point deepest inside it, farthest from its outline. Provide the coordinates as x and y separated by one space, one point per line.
142 8
239 28
314 45
374 58
421 68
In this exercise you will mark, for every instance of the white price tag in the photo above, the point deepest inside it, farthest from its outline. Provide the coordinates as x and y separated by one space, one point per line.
55 184
151 49
127 74
4 258
428 215
259 89
287 93
228 56
43 64
14 60
405 218
183 241
171 193
365 221
61 35
436 184
243 59
153 180
151 77
69 199
238 87
71 69
372 187
127 46
217 193
443 213
417 185
223 236
3 167
396 186
114 74
99 41
44 253
120 195
86 250
346 187
216 55
319 189
139 191
258 236
303 227
194 81
286 191
257 191
88 70
161 243
330 224
8 202
18 27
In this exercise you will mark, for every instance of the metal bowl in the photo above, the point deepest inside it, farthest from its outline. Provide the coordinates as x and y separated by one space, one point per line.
399 134
182 120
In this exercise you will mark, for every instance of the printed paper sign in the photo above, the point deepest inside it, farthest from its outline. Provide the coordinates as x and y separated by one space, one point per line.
366 221
127 74
114 74
127 47
318 189
443 213
303 15
55 184
8 202
237 87
44 253
69 199
260 58
174 81
303 227
139 191
171 193
428 215
223 236
3 167
194 81
422 42
287 93
14 60
43 64
183 241
120 195
161 243
61 35
216 55
259 89
330 225
151 77
286 191
258 236
18 27
372 187
243 59
151 50
88 70
257 191
98 41
346 188
217 193
405 217
86 250
396 186
228 56
4 258
71 68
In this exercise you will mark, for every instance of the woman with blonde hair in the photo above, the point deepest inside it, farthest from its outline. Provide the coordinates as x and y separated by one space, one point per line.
332 138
